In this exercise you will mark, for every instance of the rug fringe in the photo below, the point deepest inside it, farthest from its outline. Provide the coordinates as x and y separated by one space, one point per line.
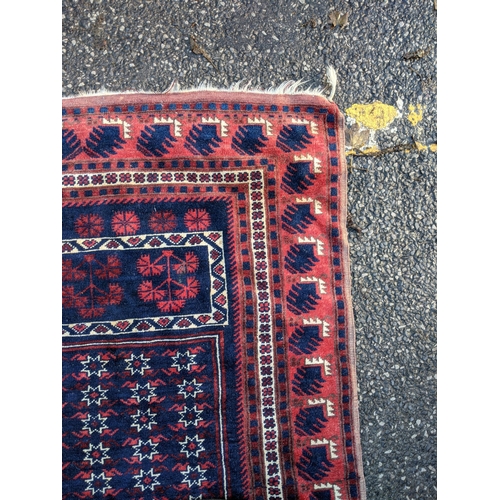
291 87
331 75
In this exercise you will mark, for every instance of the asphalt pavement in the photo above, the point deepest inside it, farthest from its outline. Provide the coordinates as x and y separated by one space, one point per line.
385 55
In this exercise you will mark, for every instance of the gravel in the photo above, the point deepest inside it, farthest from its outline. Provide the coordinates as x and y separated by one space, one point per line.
133 45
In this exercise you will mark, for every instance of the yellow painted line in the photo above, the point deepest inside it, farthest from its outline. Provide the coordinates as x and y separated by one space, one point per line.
375 149
375 116
369 150
415 113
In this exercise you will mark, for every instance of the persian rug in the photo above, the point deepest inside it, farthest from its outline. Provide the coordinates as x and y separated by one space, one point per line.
208 336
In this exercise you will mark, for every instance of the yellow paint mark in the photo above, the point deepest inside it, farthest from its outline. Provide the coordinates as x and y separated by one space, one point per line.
415 114
433 147
376 115
420 146
369 150
372 149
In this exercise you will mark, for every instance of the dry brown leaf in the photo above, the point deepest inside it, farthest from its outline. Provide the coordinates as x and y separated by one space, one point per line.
195 47
199 50
418 54
311 23
337 18
334 17
356 138
343 20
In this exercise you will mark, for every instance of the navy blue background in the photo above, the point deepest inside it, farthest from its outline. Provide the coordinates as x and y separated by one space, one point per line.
131 305
143 210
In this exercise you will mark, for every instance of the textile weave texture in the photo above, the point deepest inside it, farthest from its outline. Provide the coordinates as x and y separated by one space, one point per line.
208 336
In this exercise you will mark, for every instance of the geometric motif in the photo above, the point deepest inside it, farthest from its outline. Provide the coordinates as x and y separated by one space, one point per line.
116 426
208 336
163 280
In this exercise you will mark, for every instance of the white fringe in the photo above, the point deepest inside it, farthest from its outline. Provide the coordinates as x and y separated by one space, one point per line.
290 87
331 75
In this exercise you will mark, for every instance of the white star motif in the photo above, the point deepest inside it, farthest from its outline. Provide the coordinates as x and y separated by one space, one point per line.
191 416
143 392
192 446
145 449
146 480
184 361
194 476
98 483
143 420
137 364
189 389
96 453
94 366
95 423
94 395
